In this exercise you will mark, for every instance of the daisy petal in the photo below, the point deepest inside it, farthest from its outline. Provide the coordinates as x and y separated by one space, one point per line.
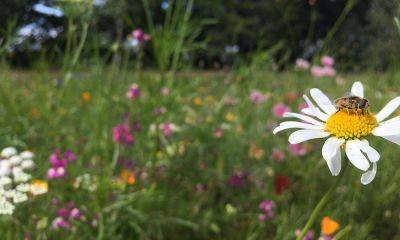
304 118
304 135
331 153
368 176
323 101
395 119
388 109
308 111
293 124
318 113
393 138
355 156
357 89
372 154
387 129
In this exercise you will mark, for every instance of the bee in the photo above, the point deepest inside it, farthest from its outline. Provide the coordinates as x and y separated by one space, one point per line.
352 104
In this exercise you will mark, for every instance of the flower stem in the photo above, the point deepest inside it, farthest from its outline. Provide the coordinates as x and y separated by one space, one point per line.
321 204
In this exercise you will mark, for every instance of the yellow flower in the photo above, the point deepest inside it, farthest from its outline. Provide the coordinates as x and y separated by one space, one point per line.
38 187
329 226
256 152
209 99
229 117
197 101
86 96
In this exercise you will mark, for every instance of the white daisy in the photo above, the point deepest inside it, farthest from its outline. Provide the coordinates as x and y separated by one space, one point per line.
8 152
344 129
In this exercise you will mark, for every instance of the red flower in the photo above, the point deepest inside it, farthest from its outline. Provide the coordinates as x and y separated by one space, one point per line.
281 183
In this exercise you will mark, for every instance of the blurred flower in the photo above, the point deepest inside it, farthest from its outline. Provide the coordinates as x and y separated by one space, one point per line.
257 97
302 63
237 179
256 152
140 36
279 109
165 91
218 132
348 126
123 134
86 96
302 106
309 235
298 149
86 182
167 129
197 101
133 92
277 155
290 97
38 187
281 183
329 226
127 176
232 49
59 163
165 5
229 117
267 207
50 11
327 61
325 71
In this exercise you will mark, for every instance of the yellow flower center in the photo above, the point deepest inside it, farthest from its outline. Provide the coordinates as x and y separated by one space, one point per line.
351 125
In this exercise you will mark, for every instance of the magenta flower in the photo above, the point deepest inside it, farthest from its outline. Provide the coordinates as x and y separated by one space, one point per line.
59 163
298 149
133 92
123 134
326 71
279 109
257 97
278 155
140 36
327 61
266 207
302 63
237 179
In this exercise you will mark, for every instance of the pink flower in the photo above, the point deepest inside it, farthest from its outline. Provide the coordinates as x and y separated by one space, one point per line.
75 213
266 207
122 133
167 129
298 149
302 63
133 92
279 109
326 71
218 132
165 91
277 155
327 61
59 222
257 97
309 235
140 36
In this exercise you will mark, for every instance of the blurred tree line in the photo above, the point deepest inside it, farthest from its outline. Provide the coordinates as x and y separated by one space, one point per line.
358 33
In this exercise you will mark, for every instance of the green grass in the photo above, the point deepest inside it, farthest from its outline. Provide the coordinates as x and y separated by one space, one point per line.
39 116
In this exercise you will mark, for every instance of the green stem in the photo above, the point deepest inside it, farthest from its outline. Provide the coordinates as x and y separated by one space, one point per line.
321 204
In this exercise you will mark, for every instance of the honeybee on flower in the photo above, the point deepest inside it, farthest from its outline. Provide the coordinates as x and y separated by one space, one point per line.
347 122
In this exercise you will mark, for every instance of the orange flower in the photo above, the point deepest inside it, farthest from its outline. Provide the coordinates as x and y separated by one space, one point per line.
86 96
128 176
329 226
197 101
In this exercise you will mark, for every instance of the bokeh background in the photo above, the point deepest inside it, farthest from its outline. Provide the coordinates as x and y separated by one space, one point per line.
153 119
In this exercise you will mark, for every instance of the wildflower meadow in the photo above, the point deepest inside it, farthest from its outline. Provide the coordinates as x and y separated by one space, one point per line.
159 120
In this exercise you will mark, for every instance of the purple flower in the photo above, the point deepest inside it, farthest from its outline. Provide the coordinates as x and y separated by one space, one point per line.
302 63
266 207
309 235
133 92
237 179
167 129
257 97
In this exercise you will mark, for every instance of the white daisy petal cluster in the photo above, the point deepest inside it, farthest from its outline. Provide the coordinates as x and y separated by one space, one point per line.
14 186
344 129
